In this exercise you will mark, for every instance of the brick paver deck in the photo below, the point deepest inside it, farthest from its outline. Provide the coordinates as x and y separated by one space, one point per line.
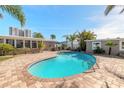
110 74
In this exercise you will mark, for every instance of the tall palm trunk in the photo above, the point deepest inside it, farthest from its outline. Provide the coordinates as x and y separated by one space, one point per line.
66 41
110 50
80 45
83 46
72 45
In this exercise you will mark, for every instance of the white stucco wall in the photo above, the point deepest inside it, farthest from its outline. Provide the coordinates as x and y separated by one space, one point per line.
75 44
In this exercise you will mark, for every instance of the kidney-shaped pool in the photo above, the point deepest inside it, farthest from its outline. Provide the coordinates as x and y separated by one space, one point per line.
65 64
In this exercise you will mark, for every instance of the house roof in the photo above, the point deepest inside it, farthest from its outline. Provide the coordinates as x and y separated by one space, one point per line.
105 39
26 38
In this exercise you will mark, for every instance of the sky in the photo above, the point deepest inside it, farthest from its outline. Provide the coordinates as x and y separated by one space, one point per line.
65 20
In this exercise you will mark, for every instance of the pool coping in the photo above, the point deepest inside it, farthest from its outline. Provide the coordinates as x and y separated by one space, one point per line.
31 77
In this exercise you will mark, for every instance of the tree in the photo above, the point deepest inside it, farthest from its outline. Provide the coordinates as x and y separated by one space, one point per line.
15 11
110 44
72 38
5 48
109 9
37 35
66 37
85 35
52 36
1 16
41 46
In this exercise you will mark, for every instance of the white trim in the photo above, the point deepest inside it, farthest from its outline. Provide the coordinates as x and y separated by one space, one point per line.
94 43
15 43
120 45
37 43
105 39
26 38
30 43
4 40
23 43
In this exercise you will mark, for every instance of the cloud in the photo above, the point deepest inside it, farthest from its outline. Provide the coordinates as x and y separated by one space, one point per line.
111 26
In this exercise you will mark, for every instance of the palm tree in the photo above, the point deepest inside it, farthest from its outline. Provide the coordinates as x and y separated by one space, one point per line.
66 37
110 7
15 11
1 16
85 35
41 46
52 36
110 44
37 35
72 38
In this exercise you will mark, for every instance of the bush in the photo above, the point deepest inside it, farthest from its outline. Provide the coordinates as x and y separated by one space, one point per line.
41 46
5 48
78 49
22 51
69 48
59 48
18 51
64 47
99 50
53 49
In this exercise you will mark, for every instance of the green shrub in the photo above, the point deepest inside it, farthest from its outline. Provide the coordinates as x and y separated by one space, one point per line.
53 49
69 48
64 47
41 46
99 50
78 49
5 48
18 51
21 51
58 47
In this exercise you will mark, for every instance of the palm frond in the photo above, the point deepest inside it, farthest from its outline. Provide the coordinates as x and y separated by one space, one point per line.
122 11
15 11
1 16
108 9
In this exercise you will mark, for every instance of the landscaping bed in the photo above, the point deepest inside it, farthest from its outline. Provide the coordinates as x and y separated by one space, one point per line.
2 58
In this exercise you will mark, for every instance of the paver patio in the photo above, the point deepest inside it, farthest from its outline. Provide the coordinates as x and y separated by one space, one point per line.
110 74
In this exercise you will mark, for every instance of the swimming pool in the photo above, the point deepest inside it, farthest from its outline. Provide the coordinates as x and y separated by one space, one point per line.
65 64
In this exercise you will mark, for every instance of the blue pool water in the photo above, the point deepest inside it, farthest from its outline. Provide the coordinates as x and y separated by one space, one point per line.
65 64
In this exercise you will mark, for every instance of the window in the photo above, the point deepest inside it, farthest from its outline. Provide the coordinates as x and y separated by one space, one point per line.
1 41
95 45
34 44
19 43
122 45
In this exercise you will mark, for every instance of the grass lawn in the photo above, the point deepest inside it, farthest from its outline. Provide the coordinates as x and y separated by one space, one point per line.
2 58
